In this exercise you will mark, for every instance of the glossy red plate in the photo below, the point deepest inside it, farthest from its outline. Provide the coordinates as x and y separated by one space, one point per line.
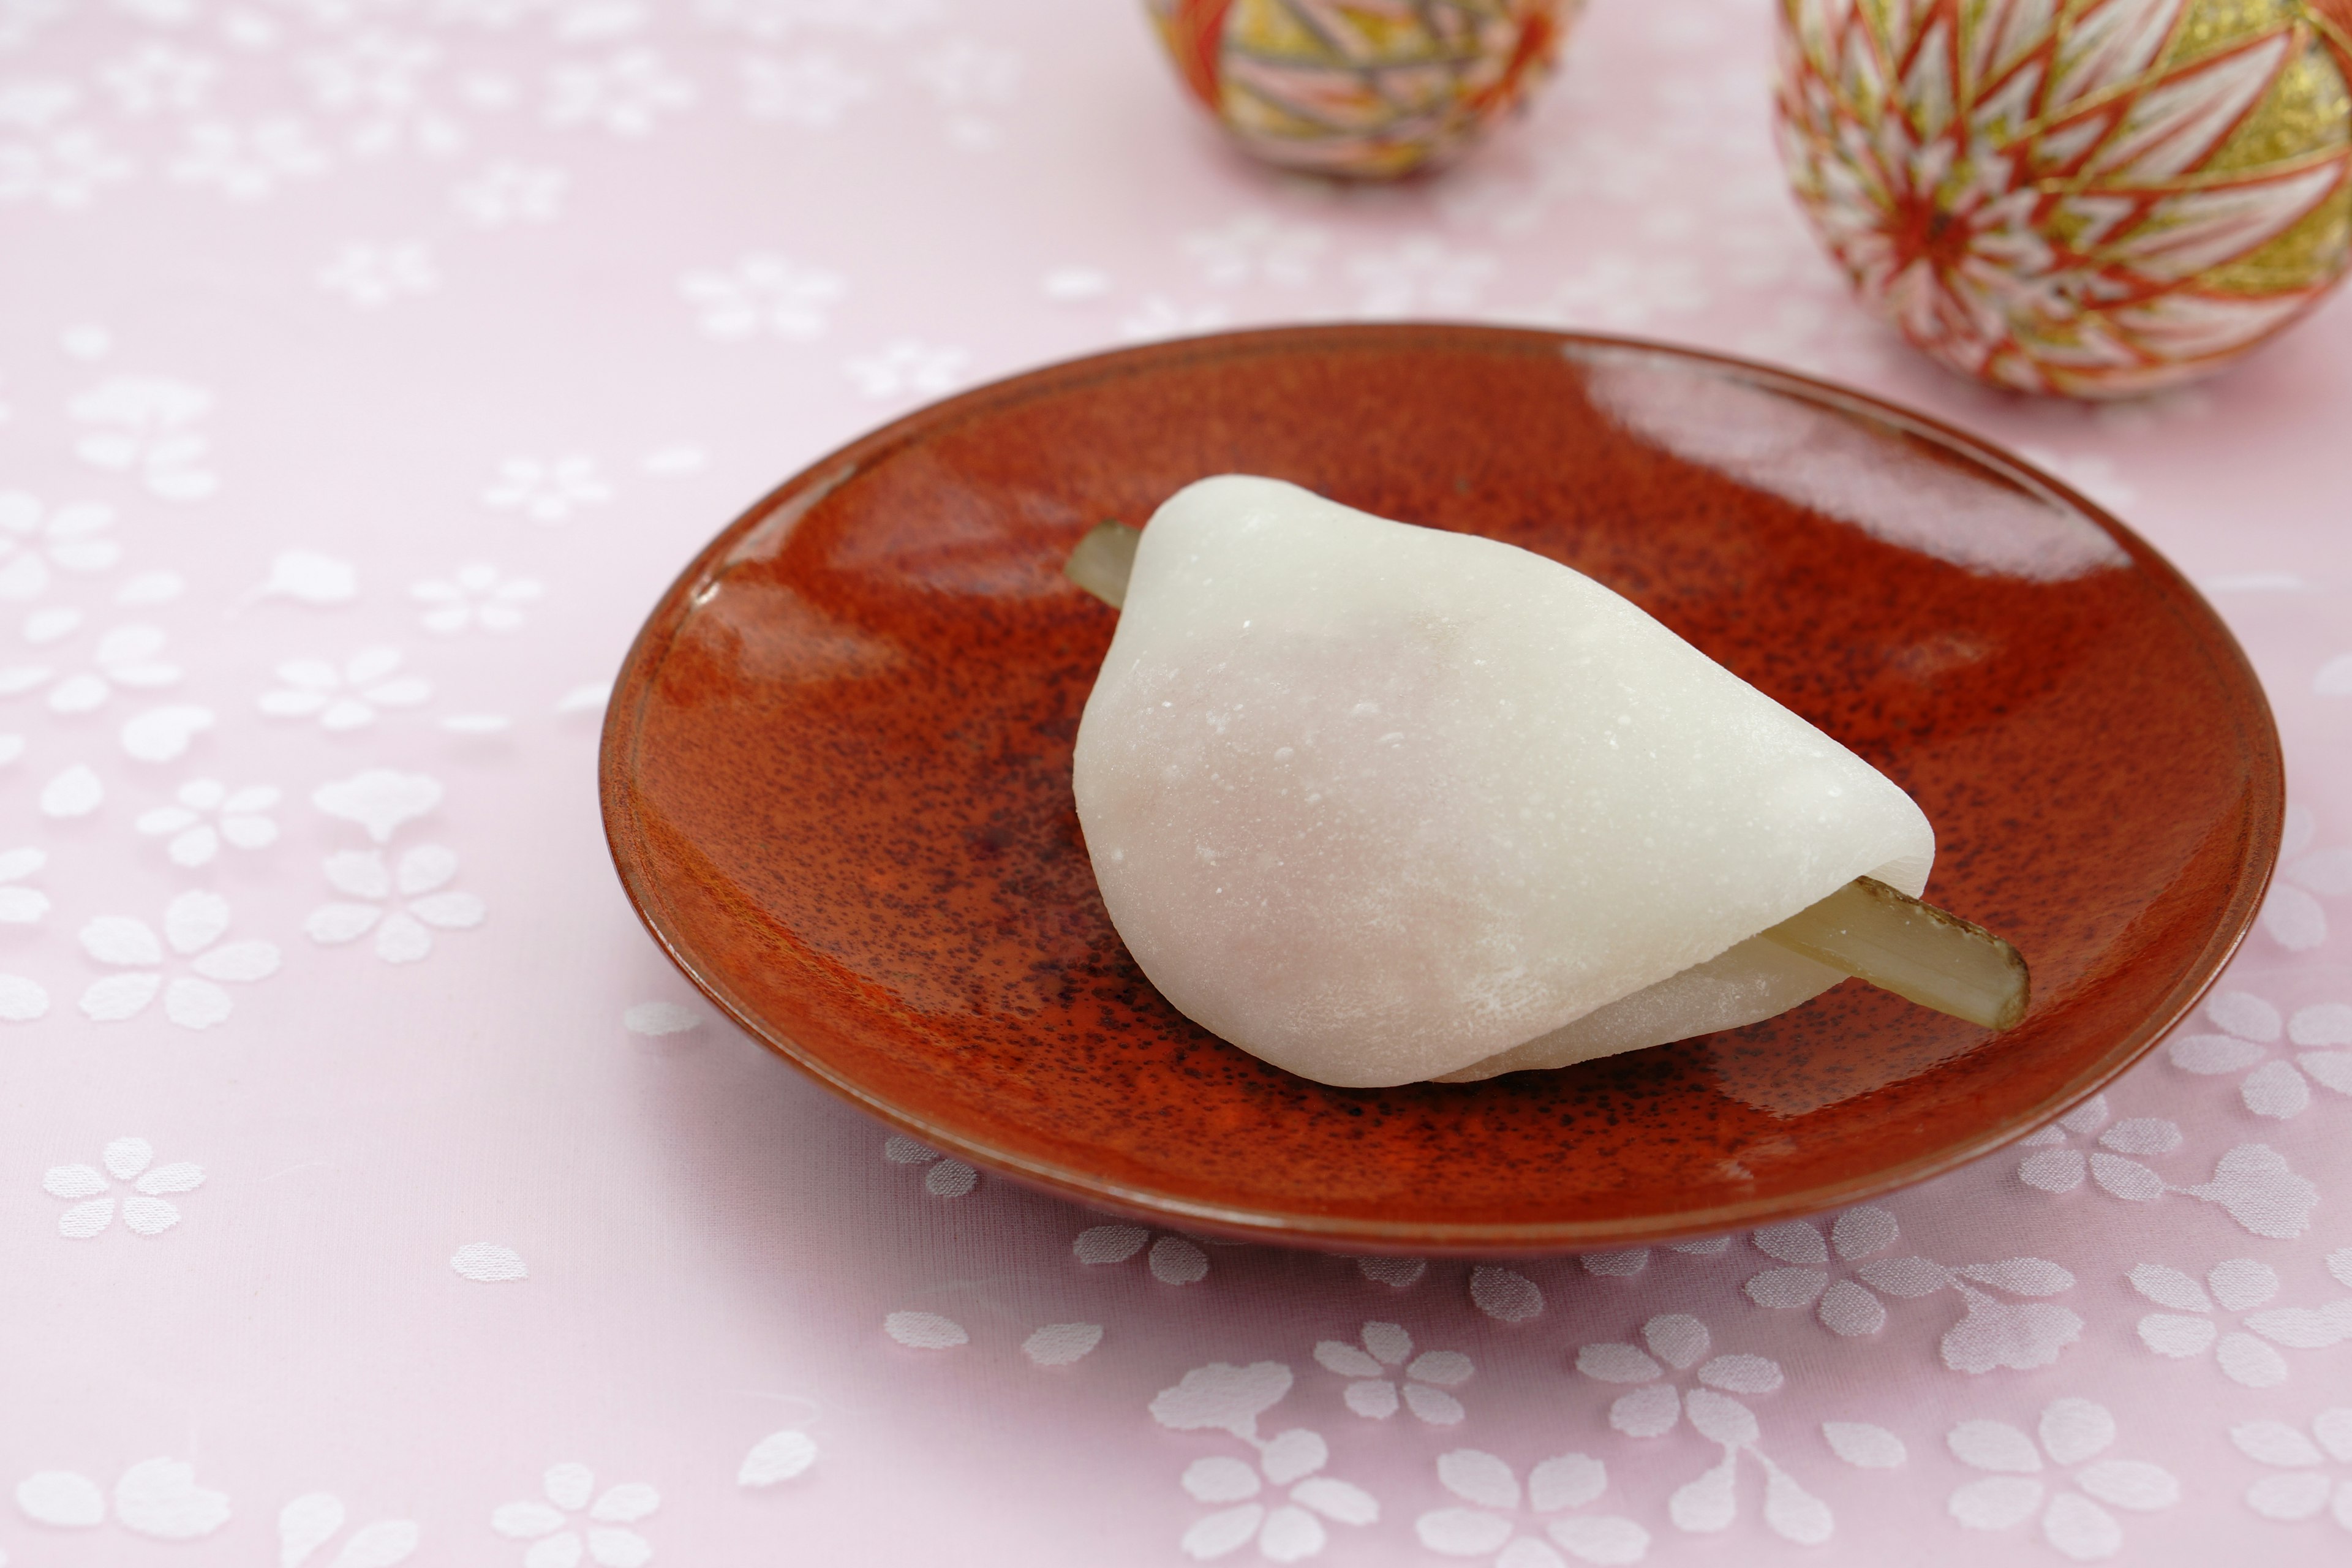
837 778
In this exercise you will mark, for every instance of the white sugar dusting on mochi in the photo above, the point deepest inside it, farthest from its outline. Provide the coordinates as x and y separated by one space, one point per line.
1380 804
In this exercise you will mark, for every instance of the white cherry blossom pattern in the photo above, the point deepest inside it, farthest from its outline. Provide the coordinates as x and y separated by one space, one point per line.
376 80
1991 1333
248 162
146 1209
303 578
2308 1488
558 1531
1159 317
1418 277
206 814
22 999
158 78
1373 1390
193 924
906 365
403 904
34 539
476 595
1256 248
1174 1260
925 1331
20 905
145 424
627 93
2292 914
65 169
1865 1445
1677 1344
1059 1344
810 90
776 1458
1618 292
2277 1087
159 1499
2239 1286
379 800
1396 1273
36 104
942 1177
1504 1294
1223 1397
761 293
1627 1263
508 193
781 18
968 79
124 657
2073 1433
548 490
311 1521
2253 1183
1564 1481
346 697
371 274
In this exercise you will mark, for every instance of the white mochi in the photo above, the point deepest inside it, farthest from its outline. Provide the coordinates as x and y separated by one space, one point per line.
1380 804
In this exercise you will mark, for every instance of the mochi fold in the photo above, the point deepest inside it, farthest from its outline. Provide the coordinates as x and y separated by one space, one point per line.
1380 804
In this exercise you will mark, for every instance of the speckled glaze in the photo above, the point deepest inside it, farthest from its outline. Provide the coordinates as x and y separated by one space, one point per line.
837 781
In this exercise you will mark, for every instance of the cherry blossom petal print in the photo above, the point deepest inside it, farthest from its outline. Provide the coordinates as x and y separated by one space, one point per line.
1566 1480
925 1331
1721 1420
379 800
62 1499
1060 1344
120 939
1475 1476
1649 1412
1676 1338
119 996
1996 1502
160 1497
1504 1294
1865 1445
196 1004
1110 1243
1288 1456
1708 1504
150 1216
242 961
73 1181
1339 1501
336 924
1218 1534
1617 1363
778 1457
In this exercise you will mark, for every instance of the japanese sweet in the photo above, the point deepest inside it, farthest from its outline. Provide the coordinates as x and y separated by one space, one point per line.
1380 804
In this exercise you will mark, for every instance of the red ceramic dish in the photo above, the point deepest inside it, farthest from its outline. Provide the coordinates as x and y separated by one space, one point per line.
837 778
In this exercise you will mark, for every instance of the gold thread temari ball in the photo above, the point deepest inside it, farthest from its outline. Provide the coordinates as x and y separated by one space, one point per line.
2088 197
1360 89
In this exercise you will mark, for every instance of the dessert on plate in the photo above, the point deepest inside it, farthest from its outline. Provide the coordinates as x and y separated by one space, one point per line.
1380 804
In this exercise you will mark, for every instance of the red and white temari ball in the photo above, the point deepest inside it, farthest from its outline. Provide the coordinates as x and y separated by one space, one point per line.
1360 89
2089 197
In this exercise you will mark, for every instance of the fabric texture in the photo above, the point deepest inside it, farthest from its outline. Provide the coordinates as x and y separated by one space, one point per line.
373 1191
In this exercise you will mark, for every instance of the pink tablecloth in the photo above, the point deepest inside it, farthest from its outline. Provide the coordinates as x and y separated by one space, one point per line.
373 1190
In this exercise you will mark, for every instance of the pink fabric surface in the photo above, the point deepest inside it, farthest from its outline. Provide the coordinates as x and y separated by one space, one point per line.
366 370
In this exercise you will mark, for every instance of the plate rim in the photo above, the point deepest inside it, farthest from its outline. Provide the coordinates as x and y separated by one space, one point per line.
2260 832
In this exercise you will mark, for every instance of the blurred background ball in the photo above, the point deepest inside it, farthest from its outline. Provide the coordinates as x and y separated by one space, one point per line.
1360 89
2094 199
